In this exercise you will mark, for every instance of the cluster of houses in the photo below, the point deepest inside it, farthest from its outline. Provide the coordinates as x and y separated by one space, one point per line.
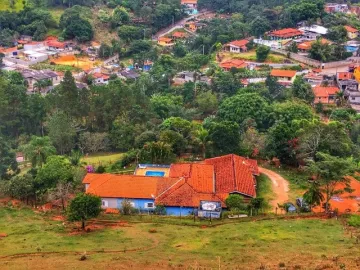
180 188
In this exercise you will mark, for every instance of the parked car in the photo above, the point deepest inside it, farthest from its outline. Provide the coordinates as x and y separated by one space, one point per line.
290 207
302 205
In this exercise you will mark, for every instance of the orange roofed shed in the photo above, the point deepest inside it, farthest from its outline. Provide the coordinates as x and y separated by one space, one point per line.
287 33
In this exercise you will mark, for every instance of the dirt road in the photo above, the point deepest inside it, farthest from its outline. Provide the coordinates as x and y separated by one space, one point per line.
280 187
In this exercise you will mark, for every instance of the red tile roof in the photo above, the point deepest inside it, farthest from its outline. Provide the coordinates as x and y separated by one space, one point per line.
127 186
184 2
233 174
164 39
56 44
306 45
350 29
178 34
236 63
283 73
239 43
98 75
286 33
320 91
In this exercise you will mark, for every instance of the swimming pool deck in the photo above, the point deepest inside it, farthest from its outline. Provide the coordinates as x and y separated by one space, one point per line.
142 171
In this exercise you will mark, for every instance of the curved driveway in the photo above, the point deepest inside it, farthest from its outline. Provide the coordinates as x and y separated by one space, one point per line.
280 187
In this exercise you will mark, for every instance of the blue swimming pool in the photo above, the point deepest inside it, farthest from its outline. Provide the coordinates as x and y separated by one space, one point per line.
351 48
154 173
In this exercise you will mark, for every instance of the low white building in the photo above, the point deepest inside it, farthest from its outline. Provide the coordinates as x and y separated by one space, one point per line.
36 57
314 31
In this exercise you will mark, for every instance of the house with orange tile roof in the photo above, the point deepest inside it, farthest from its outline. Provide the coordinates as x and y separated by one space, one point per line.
305 46
236 46
180 188
352 32
287 33
165 41
100 78
178 35
325 95
285 77
234 63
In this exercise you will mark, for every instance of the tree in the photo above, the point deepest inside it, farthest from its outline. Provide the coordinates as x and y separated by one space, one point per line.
253 143
206 102
75 157
313 196
320 51
292 110
7 159
225 137
61 132
331 173
57 169
157 153
316 136
202 138
302 90
293 47
21 187
93 142
276 90
257 204
84 207
226 83
337 33
79 29
119 16
61 192
259 26
242 107
38 150
129 32
234 202
262 53
175 140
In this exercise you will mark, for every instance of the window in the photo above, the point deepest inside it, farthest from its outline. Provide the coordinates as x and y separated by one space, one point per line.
104 203
149 205
352 98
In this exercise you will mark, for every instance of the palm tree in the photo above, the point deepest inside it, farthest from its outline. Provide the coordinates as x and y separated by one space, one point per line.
314 195
340 98
38 149
202 137
40 85
75 157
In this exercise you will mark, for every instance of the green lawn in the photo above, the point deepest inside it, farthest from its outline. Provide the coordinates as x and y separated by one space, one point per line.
251 56
5 5
297 244
102 158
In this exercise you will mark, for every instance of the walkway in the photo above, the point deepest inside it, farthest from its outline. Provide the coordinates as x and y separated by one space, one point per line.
280 187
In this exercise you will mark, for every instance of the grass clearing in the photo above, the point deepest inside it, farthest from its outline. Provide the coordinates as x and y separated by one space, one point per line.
245 245
251 56
264 189
5 5
102 158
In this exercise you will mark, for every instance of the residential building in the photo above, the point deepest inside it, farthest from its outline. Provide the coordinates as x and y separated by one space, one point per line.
194 26
334 7
190 6
33 76
100 78
313 32
189 76
285 77
236 46
287 33
178 35
352 32
305 46
234 63
129 75
54 45
179 187
325 95
165 41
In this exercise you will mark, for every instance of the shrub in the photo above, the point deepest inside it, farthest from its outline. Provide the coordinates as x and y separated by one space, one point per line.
127 208
354 221
235 202
100 169
160 210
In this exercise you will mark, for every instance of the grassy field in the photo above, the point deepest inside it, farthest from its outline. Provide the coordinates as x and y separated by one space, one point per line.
251 56
5 5
246 245
102 158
